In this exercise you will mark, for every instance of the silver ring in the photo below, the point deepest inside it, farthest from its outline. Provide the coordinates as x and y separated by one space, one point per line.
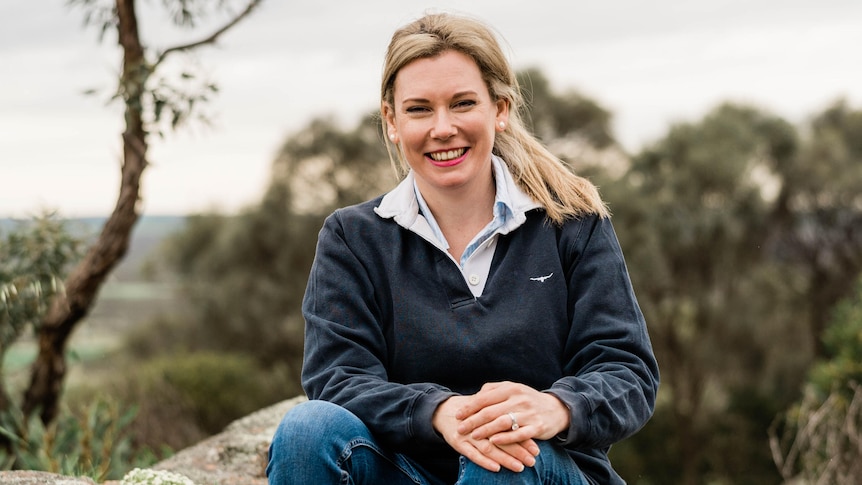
515 424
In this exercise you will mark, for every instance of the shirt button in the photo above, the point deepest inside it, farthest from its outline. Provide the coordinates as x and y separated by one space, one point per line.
474 279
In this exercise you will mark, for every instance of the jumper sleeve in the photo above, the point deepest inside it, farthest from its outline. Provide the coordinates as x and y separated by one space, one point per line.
345 347
611 372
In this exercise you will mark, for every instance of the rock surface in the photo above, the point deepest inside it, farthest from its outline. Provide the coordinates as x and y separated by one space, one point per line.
236 456
40 478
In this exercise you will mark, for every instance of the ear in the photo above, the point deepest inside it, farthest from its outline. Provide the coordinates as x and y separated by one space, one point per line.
501 121
389 116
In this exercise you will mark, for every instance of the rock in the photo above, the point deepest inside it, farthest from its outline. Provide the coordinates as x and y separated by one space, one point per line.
236 456
40 478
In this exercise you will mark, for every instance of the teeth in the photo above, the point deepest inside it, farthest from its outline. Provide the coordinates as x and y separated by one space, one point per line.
447 155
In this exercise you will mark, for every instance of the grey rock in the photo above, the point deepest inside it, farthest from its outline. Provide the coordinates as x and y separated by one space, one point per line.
237 455
40 478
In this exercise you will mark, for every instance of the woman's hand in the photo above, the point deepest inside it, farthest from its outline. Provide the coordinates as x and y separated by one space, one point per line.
493 412
481 451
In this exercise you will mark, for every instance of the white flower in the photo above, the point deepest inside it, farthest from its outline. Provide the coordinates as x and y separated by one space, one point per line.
140 476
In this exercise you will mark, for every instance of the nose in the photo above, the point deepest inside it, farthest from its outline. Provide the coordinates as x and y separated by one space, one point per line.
443 127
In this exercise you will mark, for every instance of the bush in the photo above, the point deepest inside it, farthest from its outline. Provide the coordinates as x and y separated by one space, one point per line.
819 438
184 398
218 388
819 441
90 441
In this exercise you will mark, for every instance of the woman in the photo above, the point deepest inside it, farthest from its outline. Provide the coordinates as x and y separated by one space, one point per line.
476 324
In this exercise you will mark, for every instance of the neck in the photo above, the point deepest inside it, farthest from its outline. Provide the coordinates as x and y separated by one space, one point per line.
461 212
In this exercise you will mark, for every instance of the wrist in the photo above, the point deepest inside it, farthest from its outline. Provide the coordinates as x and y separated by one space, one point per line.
562 418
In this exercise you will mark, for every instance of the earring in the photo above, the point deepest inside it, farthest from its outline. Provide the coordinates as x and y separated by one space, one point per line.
502 125
392 136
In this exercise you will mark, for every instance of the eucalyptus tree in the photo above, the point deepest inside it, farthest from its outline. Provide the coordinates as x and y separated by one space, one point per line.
819 213
153 101
693 214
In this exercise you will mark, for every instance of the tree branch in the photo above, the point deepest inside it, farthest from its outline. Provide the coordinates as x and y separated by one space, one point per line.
213 37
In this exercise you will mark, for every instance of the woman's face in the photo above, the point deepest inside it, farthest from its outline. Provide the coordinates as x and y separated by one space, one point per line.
445 121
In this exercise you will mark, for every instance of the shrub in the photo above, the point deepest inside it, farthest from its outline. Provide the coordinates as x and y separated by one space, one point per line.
819 439
91 442
183 398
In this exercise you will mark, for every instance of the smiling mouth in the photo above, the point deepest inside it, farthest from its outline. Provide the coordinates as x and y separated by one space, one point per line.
447 155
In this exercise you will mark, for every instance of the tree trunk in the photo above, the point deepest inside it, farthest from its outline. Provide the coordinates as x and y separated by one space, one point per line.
82 286
684 375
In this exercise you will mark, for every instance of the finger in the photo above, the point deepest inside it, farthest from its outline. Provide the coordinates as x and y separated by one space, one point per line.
490 394
479 458
513 458
494 418
481 420
521 452
490 386
502 424
469 449
505 439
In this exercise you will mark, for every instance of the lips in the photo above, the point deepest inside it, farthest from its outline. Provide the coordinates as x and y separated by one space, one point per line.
447 158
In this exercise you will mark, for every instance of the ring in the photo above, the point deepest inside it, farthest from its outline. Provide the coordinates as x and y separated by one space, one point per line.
515 424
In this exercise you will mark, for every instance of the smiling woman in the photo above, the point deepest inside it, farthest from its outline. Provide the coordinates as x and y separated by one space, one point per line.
443 121
443 342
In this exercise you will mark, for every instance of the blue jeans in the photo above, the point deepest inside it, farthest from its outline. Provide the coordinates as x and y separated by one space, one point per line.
319 442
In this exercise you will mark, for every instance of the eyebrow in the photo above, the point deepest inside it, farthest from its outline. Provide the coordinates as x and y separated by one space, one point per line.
457 95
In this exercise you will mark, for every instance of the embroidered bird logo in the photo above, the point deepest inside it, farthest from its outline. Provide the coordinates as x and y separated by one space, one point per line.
541 279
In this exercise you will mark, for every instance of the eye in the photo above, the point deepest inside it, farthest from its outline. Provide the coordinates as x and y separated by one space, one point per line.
464 104
416 109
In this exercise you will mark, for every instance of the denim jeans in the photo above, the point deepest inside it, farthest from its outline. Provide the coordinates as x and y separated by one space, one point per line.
319 442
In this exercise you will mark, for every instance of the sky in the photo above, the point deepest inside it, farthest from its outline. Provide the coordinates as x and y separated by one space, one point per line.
651 63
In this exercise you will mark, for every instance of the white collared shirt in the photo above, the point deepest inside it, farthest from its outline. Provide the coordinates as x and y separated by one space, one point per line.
407 207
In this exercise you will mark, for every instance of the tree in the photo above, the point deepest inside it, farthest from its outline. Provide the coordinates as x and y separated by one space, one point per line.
819 230
574 127
552 116
819 213
150 103
691 213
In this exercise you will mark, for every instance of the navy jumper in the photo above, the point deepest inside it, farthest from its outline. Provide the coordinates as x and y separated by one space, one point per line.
393 330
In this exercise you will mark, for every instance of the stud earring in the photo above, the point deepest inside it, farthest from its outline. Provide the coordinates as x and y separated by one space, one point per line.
392 136
502 125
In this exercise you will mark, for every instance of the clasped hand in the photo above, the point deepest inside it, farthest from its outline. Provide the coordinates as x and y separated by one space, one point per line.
480 428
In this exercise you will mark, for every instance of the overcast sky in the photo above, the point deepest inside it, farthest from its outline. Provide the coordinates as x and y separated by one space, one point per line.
650 62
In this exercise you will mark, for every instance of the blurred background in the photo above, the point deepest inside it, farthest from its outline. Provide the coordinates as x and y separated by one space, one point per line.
726 137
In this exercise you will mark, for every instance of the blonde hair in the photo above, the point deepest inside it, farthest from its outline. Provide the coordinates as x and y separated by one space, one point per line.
540 174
